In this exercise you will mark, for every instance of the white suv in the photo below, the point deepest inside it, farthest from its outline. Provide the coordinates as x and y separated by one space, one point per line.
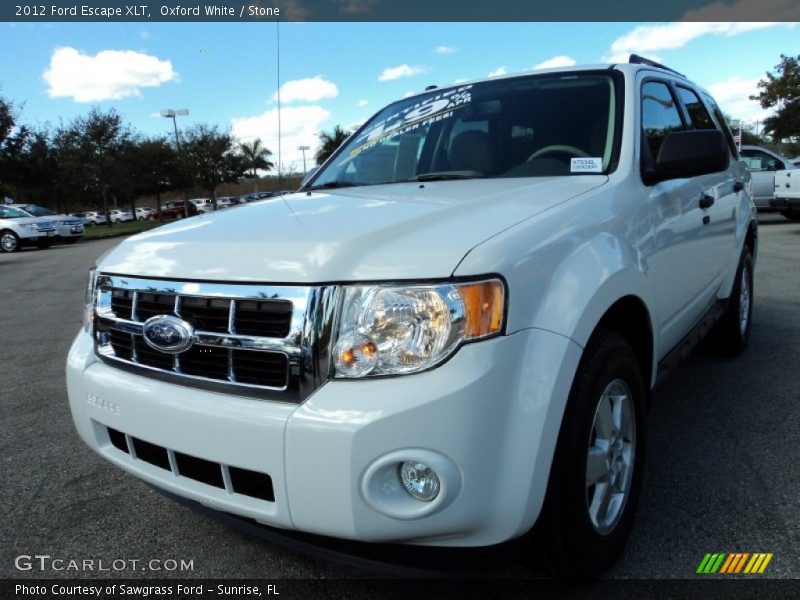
450 334
18 229
68 228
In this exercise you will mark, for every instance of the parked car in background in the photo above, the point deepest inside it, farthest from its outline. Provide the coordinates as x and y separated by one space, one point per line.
175 210
763 165
94 217
226 201
143 213
787 193
120 216
258 196
68 228
203 205
18 228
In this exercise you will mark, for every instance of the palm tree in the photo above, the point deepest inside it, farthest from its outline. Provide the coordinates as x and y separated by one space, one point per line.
256 156
329 142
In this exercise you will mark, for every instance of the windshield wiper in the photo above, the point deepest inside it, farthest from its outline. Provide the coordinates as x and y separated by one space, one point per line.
333 184
448 175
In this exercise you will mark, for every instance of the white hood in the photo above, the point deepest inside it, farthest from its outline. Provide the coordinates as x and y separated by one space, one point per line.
385 232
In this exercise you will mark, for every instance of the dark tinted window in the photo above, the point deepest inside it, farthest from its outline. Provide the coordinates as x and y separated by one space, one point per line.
660 115
722 123
698 115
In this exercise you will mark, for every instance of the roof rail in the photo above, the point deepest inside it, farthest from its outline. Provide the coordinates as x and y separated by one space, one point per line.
635 59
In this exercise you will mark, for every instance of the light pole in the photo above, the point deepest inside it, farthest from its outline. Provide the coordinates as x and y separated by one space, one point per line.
169 113
303 150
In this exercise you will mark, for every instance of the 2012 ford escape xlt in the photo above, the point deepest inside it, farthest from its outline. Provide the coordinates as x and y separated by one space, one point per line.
450 334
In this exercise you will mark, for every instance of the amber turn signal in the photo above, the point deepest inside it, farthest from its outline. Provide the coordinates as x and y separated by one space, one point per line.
483 303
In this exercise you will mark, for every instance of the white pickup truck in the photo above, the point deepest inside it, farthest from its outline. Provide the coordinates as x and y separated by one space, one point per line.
449 337
776 181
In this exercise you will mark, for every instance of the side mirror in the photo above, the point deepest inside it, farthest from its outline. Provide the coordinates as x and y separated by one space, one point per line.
311 172
689 154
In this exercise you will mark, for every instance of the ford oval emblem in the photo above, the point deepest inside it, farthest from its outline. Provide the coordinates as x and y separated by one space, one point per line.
168 334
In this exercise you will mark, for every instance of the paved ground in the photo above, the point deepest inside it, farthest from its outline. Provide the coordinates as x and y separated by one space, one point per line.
723 473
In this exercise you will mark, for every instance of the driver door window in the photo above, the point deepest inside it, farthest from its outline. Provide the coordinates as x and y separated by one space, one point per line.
660 115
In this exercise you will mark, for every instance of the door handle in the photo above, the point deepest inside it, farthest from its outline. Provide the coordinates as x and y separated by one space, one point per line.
706 201
738 186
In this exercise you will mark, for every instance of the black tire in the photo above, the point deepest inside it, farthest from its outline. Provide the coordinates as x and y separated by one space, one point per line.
565 541
729 336
9 241
792 215
44 244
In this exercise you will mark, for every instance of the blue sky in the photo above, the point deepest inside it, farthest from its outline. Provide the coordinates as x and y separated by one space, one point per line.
338 73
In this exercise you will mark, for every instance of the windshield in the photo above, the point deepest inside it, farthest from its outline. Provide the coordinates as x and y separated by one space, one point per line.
533 126
38 211
8 212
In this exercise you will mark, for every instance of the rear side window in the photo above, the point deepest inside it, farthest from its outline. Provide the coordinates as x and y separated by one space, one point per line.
660 115
698 115
723 124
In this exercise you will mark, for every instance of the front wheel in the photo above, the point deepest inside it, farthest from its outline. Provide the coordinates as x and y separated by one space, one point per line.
730 334
9 241
596 475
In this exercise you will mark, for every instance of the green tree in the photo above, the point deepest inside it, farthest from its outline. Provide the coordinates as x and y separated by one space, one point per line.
329 142
256 157
6 119
90 151
210 158
156 168
781 91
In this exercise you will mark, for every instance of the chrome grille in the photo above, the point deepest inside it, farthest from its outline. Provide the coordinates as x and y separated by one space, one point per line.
265 341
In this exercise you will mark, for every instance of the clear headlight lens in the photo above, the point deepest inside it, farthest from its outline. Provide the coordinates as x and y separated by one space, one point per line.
395 330
27 226
88 313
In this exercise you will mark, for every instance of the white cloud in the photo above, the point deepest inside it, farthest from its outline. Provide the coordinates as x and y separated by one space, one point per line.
144 34
498 72
556 61
310 89
392 73
299 127
108 75
460 80
646 39
361 102
446 49
733 97
408 94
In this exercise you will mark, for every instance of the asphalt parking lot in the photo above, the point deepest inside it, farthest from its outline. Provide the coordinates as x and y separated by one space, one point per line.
722 472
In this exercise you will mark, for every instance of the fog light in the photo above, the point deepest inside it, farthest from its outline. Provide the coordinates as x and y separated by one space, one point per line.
419 480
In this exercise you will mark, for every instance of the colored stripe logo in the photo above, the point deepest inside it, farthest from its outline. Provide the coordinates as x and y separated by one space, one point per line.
728 563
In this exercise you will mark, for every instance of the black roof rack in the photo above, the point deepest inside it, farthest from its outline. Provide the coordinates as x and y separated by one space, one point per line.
635 59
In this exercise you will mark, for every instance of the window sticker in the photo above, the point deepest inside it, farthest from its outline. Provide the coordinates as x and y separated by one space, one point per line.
430 110
586 165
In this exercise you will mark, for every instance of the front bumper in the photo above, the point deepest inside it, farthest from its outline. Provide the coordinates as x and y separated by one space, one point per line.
69 231
492 412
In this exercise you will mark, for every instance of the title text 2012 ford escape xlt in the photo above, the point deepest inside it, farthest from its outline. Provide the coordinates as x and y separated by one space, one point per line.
450 334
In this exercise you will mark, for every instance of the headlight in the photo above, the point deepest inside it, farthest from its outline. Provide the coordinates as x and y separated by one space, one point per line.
27 226
395 330
88 313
